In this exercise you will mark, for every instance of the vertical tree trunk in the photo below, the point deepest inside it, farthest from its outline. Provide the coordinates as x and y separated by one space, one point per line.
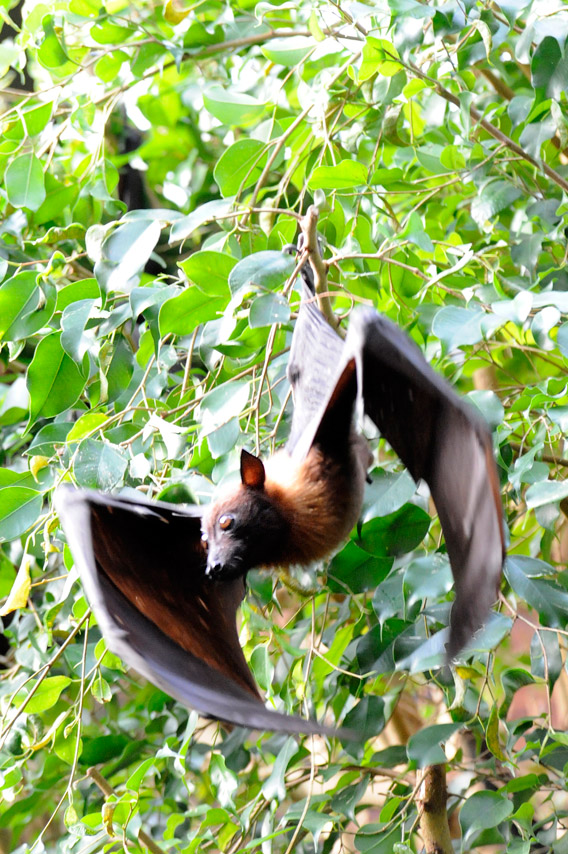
432 797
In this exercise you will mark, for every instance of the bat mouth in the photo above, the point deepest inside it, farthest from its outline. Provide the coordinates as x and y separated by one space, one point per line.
217 571
214 570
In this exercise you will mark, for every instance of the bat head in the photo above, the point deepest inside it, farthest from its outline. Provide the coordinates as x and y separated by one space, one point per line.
246 528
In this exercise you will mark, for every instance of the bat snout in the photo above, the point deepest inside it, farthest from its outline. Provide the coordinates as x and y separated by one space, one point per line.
213 569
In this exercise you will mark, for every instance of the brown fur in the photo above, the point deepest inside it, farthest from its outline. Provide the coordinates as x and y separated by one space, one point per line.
321 501
302 513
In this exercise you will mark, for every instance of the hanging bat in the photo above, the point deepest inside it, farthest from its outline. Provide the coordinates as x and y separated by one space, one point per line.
165 582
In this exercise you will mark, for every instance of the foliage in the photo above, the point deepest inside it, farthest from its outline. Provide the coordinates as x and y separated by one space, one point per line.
155 159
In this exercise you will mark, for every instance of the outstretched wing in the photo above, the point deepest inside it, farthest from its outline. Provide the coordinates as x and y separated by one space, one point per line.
441 439
142 566
438 437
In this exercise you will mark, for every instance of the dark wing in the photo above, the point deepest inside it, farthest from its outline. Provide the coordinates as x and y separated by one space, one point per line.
142 566
441 439
315 354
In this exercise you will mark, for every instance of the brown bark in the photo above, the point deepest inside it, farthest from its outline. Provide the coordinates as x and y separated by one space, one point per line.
310 246
431 799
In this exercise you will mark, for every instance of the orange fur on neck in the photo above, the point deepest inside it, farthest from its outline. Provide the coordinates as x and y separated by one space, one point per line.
320 499
299 513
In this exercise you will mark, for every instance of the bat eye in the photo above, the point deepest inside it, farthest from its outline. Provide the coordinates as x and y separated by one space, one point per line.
226 521
204 538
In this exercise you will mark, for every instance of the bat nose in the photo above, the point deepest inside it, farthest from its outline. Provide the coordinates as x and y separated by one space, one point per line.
213 568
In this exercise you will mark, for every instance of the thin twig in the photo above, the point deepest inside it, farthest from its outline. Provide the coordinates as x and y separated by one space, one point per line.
108 792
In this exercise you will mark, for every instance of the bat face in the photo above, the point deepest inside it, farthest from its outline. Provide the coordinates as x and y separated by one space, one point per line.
242 531
245 529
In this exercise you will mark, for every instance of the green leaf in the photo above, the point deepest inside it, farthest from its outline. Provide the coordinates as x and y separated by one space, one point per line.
377 839
109 65
492 734
546 659
262 270
457 326
268 309
346 175
481 811
561 339
125 252
232 108
261 666
103 748
388 600
347 798
87 423
100 465
489 405
379 56
46 695
223 439
368 717
180 315
424 747
107 32
426 656
288 52
51 54
240 165
223 780
452 158
24 181
395 534
83 289
535 134
411 9
49 438
101 690
549 68
374 650
546 492
54 381
135 779
24 307
387 493
548 598
353 570
73 322
494 197
19 509
36 117
416 233
210 271
184 227
274 786
428 577
223 403
532 567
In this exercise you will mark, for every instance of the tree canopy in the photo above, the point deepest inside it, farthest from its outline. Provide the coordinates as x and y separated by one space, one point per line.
155 159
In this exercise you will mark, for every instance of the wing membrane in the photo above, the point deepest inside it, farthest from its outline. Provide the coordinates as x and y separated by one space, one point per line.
441 439
142 566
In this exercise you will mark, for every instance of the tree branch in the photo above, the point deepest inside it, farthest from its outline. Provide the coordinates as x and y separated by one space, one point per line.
491 129
432 797
308 226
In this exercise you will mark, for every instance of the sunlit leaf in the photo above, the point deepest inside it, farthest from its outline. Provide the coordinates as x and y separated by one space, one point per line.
54 381
25 183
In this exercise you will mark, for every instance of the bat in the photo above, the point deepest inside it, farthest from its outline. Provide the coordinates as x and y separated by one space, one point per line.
165 581
142 565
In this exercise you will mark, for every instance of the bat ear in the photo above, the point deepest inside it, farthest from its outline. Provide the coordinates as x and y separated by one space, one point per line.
252 471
